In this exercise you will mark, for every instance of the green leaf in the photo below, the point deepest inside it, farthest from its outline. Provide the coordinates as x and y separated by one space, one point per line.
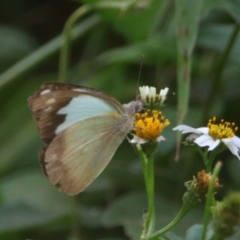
43 53
32 188
233 167
139 24
17 127
15 44
128 212
211 5
164 46
134 23
90 216
129 209
216 37
17 142
187 20
20 216
233 7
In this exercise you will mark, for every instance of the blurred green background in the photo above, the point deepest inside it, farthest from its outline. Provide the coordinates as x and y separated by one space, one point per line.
106 54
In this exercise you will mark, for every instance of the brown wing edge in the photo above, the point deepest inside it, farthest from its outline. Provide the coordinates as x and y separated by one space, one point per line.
43 163
47 132
54 86
42 159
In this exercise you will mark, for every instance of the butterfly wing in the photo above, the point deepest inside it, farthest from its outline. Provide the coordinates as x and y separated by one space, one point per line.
82 127
77 155
58 105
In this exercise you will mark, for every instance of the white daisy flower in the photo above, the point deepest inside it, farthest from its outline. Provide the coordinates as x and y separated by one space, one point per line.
212 135
147 92
149 95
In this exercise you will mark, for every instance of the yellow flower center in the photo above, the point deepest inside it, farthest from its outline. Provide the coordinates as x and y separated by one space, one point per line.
150 124
221 130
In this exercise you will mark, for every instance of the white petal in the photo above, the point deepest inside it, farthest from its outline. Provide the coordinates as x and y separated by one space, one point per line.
214 144
137 140
203 130
144 91
160 138
142 141
144 88
236 141
186 129
233 145
163 92
152 92
206 140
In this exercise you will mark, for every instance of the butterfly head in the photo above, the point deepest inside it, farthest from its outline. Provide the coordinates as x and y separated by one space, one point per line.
133 107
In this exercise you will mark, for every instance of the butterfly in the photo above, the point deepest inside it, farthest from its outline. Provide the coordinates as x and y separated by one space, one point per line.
82 127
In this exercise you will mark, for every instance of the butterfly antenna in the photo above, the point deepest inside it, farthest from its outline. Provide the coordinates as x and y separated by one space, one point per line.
139 74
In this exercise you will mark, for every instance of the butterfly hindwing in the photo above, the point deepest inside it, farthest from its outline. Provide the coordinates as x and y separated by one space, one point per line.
77 155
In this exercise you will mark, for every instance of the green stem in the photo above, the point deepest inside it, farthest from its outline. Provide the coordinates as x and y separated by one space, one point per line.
212 155
185 209
64 54
151 208
210 199
121 5
148 171
79 13
39 56
207 161
75 220
210 161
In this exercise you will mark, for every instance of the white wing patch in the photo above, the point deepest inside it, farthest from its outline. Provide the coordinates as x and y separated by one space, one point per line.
45 92
83 107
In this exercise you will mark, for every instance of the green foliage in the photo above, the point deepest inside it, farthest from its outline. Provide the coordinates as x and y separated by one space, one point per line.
108 44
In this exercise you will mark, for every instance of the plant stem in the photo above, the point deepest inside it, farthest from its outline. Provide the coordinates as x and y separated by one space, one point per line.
151 208
40 55
185 209
64 54
79 13
75 218
148 171
211 156
210 199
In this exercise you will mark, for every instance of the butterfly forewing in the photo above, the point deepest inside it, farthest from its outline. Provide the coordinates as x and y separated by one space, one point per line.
58 105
